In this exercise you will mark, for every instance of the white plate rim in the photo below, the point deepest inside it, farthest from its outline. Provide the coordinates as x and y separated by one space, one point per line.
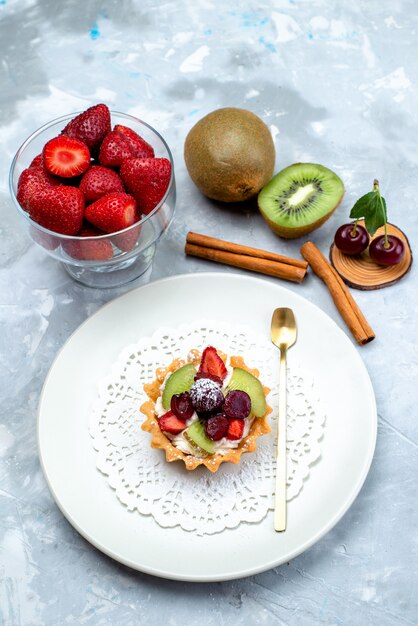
155 571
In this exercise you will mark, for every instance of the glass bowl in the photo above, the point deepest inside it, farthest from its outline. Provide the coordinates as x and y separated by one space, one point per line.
133 248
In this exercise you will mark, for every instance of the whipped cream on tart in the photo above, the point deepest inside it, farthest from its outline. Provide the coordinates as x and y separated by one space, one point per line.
206 409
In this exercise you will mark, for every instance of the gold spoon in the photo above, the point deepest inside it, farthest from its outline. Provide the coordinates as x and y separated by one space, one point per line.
283 335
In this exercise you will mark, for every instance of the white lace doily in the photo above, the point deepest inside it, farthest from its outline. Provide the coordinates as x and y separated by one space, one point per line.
198 500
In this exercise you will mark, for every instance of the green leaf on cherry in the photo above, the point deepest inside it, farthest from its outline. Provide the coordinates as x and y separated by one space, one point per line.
372 208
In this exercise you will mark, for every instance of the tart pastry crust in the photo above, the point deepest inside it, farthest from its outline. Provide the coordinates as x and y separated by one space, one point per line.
258 427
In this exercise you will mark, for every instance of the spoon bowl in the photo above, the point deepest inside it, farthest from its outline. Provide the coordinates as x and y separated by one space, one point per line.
283 328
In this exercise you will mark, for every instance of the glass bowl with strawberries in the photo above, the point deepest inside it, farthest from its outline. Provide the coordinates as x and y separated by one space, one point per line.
96 191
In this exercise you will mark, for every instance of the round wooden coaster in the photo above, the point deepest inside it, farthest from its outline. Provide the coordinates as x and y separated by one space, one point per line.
361 272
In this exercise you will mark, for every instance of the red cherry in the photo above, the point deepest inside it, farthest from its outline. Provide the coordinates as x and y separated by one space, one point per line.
216 427
351 239
390 255
206 396
237 404
181 405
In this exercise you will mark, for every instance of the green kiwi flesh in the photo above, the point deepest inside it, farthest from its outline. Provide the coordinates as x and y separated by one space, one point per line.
244 381
196 434
300 198
179 381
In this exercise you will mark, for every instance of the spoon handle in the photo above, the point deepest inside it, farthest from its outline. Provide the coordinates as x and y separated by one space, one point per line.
280 491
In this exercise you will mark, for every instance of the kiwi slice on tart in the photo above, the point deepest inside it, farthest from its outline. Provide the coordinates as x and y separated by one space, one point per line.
244 381
196 434
181 380
300 198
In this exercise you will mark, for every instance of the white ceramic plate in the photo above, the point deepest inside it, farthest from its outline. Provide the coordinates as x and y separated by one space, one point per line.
83 494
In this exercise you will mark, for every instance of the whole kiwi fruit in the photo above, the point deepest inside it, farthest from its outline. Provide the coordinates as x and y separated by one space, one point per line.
230 154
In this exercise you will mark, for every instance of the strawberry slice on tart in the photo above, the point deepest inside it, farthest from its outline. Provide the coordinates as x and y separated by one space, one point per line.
212 364
235 429
170 423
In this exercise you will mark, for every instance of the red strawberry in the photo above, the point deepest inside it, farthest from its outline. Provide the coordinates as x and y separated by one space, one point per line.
89 249
215 379
30 182
91 126
170 423
113 212
46 240
212 363
66 157
147 180
139 147
114 149
99 181
235 429
60 209
37 161
126 241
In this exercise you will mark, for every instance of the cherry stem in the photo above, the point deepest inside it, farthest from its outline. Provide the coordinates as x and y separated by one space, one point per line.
354 229
376 189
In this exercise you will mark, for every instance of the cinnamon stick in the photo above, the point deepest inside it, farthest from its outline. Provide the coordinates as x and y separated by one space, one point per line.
343 299
227 246
255 264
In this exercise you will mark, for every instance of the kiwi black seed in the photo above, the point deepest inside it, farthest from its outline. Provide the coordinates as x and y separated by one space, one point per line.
300 198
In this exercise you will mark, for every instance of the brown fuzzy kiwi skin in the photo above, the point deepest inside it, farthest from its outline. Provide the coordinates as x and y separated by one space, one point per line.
230 154
294 233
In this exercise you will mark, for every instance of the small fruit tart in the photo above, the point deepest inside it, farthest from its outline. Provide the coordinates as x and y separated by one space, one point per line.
206 410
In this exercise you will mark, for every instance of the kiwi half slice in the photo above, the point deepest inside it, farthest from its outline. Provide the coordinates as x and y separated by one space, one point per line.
244 381
196 433
179 381
300 198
